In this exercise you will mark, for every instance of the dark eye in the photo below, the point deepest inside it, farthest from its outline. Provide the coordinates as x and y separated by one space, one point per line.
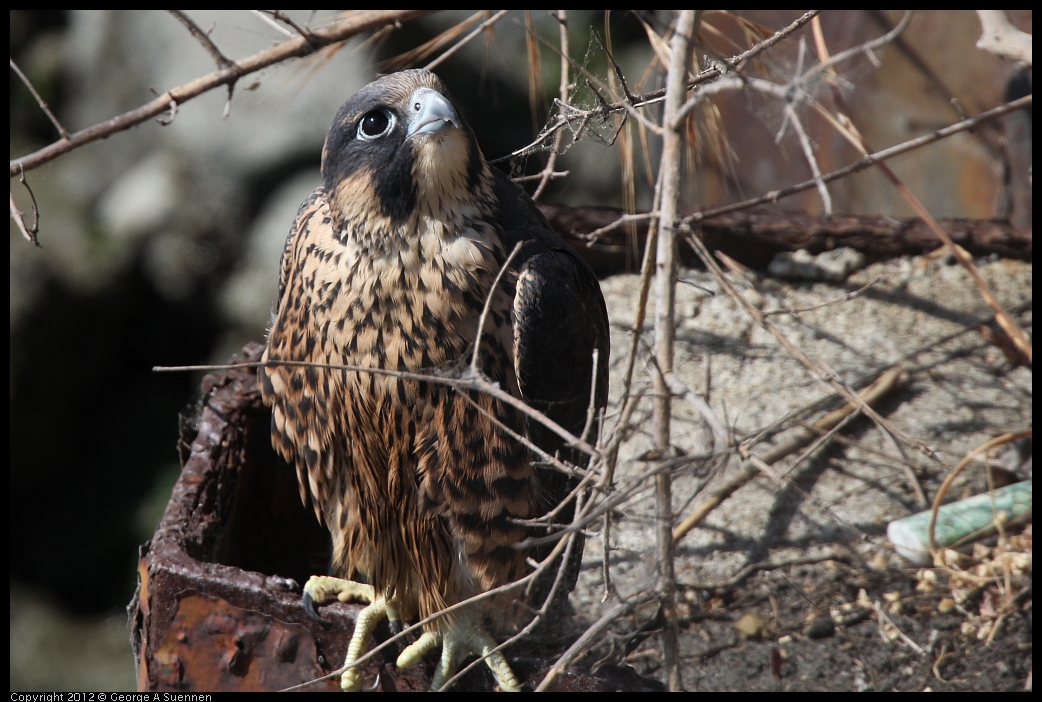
375 124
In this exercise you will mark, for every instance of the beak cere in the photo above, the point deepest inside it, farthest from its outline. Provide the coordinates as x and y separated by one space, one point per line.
430 113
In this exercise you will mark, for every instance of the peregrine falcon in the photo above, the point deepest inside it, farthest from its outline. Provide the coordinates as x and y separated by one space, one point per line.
388 266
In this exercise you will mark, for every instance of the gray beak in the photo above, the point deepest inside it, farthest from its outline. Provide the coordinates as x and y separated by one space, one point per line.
430 112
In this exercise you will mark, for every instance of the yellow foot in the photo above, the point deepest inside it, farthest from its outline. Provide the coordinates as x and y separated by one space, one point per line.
460 640
321 589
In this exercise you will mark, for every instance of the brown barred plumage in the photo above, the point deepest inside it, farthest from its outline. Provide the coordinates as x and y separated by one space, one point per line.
388 266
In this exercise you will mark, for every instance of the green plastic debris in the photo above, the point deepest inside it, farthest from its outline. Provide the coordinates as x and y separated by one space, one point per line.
959 522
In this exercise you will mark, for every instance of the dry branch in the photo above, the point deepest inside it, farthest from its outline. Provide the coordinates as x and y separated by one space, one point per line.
755 237
843 123
355 23
870 395
665 330
1000 37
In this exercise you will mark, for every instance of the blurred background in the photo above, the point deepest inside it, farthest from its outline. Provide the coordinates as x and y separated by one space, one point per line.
160 244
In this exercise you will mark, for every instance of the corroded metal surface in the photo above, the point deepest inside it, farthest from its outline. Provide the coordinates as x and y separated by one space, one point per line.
218 601
218 604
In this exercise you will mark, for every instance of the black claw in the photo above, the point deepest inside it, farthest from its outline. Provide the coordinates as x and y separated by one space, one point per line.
309 607
395 626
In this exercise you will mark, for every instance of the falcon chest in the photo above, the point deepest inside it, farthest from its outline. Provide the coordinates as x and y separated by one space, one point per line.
406 298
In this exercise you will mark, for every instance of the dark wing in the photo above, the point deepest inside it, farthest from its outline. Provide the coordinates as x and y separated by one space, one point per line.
559 319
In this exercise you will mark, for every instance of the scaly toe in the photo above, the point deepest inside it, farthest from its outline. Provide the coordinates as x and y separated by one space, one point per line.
459 641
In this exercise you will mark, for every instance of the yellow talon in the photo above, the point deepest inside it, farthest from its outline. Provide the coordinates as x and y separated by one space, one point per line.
459 640
461 637
322 588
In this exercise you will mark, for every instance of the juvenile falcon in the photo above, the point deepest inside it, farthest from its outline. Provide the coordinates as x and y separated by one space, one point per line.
388 266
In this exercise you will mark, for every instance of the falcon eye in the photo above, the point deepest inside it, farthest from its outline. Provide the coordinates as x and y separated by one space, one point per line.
375 124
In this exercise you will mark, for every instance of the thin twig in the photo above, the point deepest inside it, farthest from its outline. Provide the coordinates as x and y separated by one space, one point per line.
868 160
551 161
304 32
716 425
466 40
479 384
884 620
942 491
866 48
410 58
855 167
569 470
817 369
655 96
611 453
606 109
30 233
615 67
849 131
590 635
812 160
220 59
828 303
488 304
203 38
540 176
872 394
39 101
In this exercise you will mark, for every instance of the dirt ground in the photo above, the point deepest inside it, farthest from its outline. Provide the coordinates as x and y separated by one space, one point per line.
866 619
794 644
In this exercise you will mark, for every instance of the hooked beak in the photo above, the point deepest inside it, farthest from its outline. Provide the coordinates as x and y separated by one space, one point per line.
430 113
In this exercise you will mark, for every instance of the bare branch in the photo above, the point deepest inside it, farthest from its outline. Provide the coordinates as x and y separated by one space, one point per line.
1000 37
466 40
812 161
551 161
655 96
304 32
591 634
354 23
410 58
665 330
866 48
596 84
39 101
870 395
272 23
488 303
479 384
30 233
843 298
849 131
720 436
203 38
867 161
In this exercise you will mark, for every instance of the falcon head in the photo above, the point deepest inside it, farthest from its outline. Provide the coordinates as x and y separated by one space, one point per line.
399 148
